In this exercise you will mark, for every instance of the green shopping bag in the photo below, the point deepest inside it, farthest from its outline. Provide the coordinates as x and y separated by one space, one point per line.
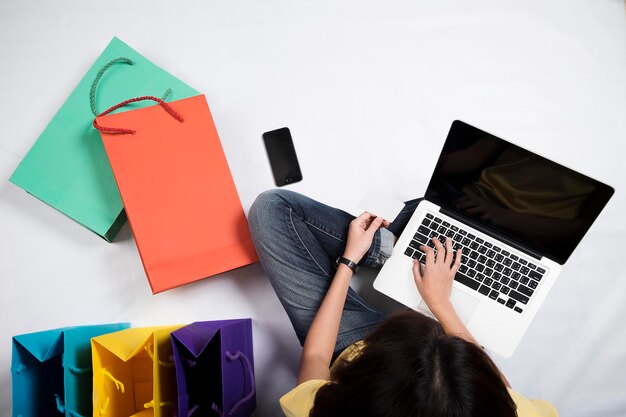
67 167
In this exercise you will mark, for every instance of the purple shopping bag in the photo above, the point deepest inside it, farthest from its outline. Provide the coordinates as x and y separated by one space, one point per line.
215 368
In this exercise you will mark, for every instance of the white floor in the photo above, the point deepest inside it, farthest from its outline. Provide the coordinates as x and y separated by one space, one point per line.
369 90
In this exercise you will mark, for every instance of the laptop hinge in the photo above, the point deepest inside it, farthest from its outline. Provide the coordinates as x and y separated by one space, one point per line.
502 237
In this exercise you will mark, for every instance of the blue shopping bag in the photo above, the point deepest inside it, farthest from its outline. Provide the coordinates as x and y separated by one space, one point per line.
51 371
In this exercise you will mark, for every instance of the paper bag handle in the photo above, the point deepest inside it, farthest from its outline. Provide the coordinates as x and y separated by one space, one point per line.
248 365
152 404
74 369
94 85
63 410
121 131
148 349
118 384
19 368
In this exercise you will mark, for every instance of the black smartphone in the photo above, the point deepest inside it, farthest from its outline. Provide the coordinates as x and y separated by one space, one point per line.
282 156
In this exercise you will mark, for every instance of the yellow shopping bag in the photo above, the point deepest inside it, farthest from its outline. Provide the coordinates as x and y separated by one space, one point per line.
133 373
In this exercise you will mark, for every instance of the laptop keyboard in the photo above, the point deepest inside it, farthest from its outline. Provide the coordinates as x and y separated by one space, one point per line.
485 267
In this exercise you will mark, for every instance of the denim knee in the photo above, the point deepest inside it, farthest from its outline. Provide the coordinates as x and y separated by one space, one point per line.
265 208
260 208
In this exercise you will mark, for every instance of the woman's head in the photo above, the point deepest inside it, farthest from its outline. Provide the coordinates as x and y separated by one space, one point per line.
409 367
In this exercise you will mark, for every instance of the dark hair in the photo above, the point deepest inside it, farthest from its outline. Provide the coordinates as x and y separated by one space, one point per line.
409 367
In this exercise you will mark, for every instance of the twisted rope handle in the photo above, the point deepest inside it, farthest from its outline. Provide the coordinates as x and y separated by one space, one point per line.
104 407
60 404
74 369
248 365
61 408
20 368
94 85
118 384
152 404
148 349
190 362
118 131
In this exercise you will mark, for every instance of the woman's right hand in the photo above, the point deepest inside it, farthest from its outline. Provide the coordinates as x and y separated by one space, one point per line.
435 286
434 283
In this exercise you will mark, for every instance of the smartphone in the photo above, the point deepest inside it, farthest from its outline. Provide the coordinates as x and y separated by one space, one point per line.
282 156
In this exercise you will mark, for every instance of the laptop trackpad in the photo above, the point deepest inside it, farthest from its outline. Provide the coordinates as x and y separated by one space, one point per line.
463 303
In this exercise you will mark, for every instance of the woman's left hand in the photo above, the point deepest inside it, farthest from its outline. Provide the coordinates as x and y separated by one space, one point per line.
360 235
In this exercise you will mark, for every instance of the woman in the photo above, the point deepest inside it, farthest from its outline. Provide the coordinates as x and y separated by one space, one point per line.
406 365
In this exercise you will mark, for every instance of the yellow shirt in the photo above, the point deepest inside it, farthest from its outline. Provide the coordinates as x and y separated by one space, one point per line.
299 401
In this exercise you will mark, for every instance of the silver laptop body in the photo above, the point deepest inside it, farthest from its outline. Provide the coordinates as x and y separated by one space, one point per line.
517 218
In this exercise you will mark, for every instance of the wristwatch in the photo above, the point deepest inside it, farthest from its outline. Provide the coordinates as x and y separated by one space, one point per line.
352 265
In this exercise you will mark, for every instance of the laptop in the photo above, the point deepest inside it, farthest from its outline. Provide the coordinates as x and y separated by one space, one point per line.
517 218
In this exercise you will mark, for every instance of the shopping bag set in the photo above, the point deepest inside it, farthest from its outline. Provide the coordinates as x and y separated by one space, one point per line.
202 369
133 142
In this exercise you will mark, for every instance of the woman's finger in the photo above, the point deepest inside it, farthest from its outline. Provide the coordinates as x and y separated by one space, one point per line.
363 217
430 254
449 252
441 252
374 225
417 270
457 261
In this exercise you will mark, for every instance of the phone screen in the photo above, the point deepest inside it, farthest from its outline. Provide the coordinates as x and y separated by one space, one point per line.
282 156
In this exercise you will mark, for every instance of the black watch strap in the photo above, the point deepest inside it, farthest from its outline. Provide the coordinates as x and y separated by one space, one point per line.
352 265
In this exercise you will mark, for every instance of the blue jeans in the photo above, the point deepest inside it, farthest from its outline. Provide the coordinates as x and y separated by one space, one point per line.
298 240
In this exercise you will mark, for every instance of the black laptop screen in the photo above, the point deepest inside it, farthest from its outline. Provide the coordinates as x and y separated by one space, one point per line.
508 190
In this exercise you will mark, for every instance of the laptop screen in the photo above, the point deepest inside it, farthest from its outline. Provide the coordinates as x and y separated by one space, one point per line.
535 202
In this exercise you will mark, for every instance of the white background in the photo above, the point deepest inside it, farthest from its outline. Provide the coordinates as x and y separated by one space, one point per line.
369 89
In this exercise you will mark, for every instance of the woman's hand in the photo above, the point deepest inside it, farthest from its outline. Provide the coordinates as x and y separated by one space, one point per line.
360 235
434 283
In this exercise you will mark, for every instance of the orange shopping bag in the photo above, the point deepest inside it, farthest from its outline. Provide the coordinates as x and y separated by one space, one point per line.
177 189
